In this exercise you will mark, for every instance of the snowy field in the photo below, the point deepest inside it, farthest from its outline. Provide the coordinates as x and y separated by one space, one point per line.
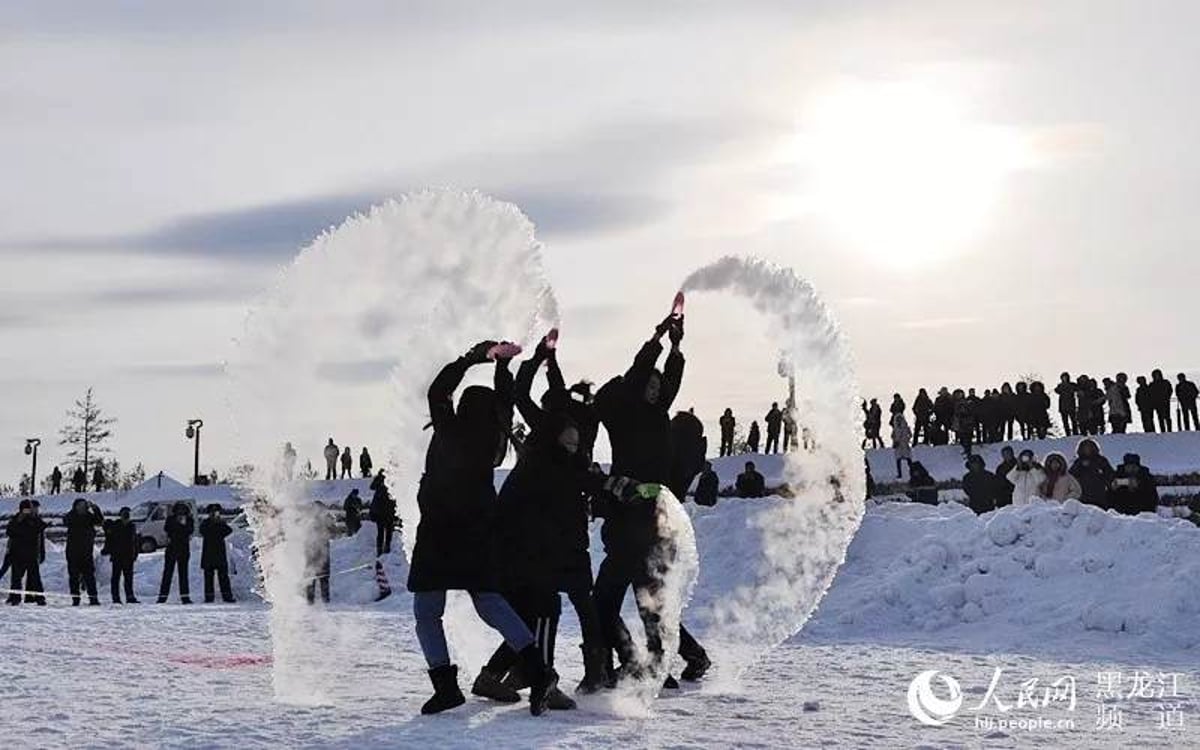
1043 592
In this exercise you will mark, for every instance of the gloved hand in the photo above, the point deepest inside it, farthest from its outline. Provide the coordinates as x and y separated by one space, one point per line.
544 350
478 354
663 327
675 332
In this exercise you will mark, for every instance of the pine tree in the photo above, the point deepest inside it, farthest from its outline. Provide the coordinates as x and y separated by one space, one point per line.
86 432
133 478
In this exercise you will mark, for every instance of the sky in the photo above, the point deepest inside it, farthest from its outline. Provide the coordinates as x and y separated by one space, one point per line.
979 190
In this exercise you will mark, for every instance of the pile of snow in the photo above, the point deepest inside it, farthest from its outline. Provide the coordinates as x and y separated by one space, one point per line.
1048 576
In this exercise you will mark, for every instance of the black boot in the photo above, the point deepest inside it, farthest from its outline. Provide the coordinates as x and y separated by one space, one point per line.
696 667
596 670
446 694
488 685
542 679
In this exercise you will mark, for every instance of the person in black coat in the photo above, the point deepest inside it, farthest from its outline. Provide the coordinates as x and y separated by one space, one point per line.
321 531
708 487
774 422
179 527
1144 398
214 559
1133 489
26 553
352 507
753 437
81 522
922 414
455 545
56 478
921 486
688 450
1005 488
79 480
121 545
634 409
364 463
98 477
728 425
981 486
1067 405
1093 472
1160 397
1186 394
383 515
750 483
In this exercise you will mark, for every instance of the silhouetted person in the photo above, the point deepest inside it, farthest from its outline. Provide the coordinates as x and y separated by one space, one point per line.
897 406
750 483
688 449
1004 488
56 481
1186 394
1160 397
1024 410
1008 411
1067 405
1133 489
922 414
708 486
901 441
1093 472
352 506
289 461
963 422
872 424
1116 395
728 425
981 486
943 409
383 513
921 487
331 458
1144 399
121 542
774 421
26 553
98 478
364 463
78 480
347 464
179 527
81 523
753 437
214 558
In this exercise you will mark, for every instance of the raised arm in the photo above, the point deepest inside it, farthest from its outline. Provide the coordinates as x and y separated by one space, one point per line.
441 391
673 369
530 411
502 381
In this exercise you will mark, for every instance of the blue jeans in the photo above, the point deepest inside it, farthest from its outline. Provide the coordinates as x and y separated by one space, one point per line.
493 609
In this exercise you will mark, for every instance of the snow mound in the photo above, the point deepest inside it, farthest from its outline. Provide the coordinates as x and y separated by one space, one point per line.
1048 576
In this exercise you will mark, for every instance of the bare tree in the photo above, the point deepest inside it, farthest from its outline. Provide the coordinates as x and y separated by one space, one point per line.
86 432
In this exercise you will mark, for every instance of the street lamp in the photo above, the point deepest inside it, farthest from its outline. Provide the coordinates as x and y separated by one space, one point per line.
193 432
31 446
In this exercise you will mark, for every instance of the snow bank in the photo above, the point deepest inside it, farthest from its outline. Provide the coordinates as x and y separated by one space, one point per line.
1054 578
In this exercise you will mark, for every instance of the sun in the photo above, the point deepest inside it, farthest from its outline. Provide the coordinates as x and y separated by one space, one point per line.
899 173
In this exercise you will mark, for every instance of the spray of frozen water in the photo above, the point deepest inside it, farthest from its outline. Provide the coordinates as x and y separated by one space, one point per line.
403 289
799 542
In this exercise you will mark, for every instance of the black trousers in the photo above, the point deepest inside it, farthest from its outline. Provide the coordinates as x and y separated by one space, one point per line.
1164 418
540 610
174 561
26 576
82 570
222 575
353 524
122 569
1147 420
1069 422
383 537
321 580
1189 420
772 445
726 445
616 575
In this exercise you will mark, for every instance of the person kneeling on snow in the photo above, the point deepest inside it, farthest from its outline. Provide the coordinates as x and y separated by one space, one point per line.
1027 478
1059 484
1133 489
454 546
213 557
921 486
981 486
750 483
708 487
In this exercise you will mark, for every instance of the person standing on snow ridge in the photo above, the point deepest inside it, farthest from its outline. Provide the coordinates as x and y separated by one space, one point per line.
774 422
179 527
901 442
1145 404
289 461
383 515
56 478
121 542
331 458
1186 394
728 424
922 413
1118 406
81 522
633 408
1027 478
1160 397
364 463
1067 406
753 437
214 559
347 464
455 544
98 477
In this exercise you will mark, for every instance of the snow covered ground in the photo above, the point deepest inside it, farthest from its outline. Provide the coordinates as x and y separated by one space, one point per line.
1043 592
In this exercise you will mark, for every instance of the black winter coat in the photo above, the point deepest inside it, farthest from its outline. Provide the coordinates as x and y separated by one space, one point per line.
640 435
773 420
751 484
688 449
121 541
982 488
455 544
1004 488
708 487
212 553
179 534
81 533
25 539
1133 492
1094 476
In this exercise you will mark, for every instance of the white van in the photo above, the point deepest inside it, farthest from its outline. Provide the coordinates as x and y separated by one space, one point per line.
151 520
